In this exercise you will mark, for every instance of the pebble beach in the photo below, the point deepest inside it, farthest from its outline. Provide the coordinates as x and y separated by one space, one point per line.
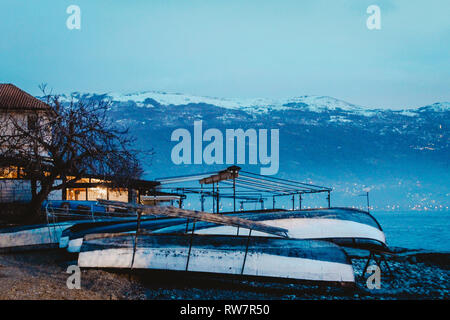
43 275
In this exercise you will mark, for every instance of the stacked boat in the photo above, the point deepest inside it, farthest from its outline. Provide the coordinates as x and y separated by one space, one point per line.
59 218
295 245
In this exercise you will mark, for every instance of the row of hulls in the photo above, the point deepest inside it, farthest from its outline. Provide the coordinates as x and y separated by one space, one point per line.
181 244
44 236
32 237
177 244
337 224
343 226
72 238
215 254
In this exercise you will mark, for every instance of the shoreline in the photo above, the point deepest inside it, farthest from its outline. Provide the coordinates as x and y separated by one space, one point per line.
42 274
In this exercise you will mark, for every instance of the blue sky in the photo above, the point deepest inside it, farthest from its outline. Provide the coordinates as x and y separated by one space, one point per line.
245 48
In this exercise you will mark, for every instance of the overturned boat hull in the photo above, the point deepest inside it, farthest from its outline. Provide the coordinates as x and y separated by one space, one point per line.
243 256
342 225
33 236
347 227
72 238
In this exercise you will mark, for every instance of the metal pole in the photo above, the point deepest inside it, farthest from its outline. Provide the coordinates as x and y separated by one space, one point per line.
217 195
138 229
293 202
368 205
329 200
234 194
300 200
246 250
202 199
213 198
190 245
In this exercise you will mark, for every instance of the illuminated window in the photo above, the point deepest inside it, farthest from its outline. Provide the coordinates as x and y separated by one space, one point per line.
97 193
9 172
78 194
118 194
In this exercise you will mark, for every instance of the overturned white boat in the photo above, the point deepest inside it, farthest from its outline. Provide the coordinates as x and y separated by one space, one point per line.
45 235
72 238
38 236
344 226
273 257
233 255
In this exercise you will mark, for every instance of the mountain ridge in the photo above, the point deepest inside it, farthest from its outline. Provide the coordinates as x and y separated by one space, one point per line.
402 156
314 102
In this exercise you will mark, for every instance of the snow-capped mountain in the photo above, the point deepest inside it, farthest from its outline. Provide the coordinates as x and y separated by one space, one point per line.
403 156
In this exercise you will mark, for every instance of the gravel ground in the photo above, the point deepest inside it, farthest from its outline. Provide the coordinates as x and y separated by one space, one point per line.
42 275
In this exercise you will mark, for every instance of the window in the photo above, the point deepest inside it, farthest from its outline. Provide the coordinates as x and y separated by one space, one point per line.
10 172
97 193
78 194
118 194
32 122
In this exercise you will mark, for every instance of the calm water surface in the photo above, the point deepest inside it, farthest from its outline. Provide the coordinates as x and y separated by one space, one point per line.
416 229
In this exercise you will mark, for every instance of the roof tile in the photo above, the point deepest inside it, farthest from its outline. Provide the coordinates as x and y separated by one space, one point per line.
13 98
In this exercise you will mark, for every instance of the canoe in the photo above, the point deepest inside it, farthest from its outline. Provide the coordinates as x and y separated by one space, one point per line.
344 226
72 238
30 237
40 236
266 257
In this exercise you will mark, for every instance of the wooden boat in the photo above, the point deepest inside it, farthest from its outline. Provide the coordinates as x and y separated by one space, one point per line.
40 236
72 238
217 254
33 236
343 226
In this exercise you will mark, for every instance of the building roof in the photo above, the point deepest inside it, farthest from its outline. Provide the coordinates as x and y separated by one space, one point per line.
13 98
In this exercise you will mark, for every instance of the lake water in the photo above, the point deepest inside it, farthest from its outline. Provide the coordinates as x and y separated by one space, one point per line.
428 230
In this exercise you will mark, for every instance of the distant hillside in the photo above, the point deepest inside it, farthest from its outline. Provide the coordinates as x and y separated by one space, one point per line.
401 156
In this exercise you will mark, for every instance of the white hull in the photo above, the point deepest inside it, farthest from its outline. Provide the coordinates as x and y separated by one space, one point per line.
264 261
74 245
304 228
40 236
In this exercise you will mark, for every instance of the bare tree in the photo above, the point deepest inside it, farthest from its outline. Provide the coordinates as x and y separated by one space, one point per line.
57 147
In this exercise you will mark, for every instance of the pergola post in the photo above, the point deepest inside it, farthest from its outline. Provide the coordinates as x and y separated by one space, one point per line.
329 200
213 198
217 195
234 194
368 205
300 200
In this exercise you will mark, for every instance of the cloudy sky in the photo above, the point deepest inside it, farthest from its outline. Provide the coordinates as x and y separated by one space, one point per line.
233 48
